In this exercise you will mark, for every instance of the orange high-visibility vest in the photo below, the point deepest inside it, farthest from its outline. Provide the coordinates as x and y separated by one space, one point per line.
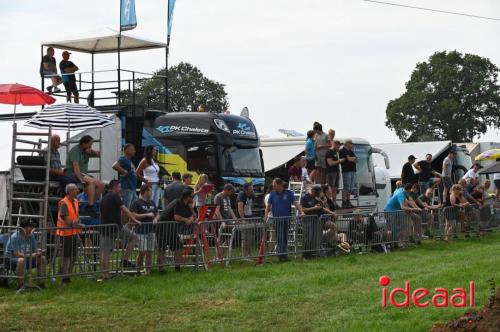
72 214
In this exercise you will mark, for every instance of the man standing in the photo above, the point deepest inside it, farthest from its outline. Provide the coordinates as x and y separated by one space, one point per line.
348 173
144 209
447 171
312 205
112 208
182 211
68 68
427 178
280 204
245 201
128 178
22 254
56 171
68 228
174 190
48 68
321 145
407 173
223 209
77 165
187 179
333 169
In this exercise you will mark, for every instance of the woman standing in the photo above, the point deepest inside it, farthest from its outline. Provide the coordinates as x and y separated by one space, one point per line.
148 172
199 190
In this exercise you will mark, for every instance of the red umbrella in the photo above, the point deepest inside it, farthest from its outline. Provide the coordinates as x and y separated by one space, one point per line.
15 94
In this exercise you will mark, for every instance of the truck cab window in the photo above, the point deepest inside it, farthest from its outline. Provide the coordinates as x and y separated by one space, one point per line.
201 158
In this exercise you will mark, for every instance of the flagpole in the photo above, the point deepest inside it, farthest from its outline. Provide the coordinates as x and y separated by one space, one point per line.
166 56
119 64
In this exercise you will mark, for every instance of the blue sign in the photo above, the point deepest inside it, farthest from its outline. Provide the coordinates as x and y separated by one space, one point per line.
128 20
171 5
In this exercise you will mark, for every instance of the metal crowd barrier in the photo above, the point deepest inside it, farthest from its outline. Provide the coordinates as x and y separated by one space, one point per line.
104 251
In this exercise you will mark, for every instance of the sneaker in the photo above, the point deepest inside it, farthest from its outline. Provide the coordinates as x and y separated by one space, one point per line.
49 90
56 90
345 247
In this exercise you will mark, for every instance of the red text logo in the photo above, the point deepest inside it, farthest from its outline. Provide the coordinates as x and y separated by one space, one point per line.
423 297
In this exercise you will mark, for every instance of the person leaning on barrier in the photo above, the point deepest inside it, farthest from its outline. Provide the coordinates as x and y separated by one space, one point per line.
22 253
453 213
77 166
447 172
128 178
68 229
415 214
245 201
144 209
313 205
180 210
280 205
424 201
112 208
398 202
223 209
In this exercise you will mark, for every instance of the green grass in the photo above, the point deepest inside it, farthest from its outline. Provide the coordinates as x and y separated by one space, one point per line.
334 294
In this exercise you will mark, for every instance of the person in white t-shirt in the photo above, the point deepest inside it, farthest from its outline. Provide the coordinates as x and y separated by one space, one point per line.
473 172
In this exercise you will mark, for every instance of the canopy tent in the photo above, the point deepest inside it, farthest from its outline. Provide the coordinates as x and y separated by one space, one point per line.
491 169
105 40
278 152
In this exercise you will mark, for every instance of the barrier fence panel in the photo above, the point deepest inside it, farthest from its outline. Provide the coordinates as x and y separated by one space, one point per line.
103 251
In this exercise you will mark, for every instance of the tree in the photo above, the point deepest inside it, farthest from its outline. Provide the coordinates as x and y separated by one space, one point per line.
188 88
451 97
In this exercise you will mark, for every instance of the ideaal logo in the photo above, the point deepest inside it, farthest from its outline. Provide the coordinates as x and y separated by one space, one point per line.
423 297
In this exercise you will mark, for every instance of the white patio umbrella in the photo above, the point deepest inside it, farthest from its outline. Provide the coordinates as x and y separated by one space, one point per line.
69 117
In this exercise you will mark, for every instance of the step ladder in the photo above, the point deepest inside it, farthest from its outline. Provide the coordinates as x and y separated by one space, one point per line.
294 236
29 198
436 196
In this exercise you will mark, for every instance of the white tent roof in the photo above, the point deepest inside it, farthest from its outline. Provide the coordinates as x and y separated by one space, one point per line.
105 41
398 153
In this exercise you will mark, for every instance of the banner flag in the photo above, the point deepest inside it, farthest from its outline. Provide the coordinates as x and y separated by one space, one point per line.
128 20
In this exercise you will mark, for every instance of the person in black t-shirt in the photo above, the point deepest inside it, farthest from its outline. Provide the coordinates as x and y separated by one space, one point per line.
333 168
180 210
173 190
48 69
69 68
111 209
145 210
427 177
348 173
407 173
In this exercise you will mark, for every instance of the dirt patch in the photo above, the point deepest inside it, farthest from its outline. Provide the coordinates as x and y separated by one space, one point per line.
484 320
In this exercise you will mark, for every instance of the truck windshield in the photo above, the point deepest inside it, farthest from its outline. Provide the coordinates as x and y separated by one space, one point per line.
242 161
364 169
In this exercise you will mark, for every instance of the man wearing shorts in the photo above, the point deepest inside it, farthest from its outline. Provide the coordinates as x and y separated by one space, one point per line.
447 171
321 145
68 229
348 173
144 209
427 177
22 254
112 207
182 211
333 169
77 166
68 68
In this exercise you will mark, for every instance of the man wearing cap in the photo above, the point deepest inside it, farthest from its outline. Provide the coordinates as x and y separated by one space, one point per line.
22 254
446 173
407 173
68 68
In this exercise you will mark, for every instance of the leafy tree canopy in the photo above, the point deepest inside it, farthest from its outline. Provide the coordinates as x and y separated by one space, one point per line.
452 96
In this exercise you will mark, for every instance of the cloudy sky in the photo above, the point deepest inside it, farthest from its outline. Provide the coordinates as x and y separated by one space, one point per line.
291 62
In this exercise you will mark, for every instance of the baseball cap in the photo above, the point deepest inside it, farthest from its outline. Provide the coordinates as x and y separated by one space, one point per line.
411 157
66 53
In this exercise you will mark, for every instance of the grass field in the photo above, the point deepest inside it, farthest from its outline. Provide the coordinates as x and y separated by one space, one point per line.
332 294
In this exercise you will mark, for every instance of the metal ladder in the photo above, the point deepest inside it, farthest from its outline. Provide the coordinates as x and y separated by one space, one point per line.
295 237
29 199
436 196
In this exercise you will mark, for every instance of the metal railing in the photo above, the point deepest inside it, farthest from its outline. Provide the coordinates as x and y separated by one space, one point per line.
108 250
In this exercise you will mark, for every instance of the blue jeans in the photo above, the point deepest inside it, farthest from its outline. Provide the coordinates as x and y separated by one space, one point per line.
128 196
156 193
349 182
282 226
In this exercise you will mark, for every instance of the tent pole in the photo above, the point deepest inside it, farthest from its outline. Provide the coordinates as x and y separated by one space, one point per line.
93 73
166 77
43 80
119 64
